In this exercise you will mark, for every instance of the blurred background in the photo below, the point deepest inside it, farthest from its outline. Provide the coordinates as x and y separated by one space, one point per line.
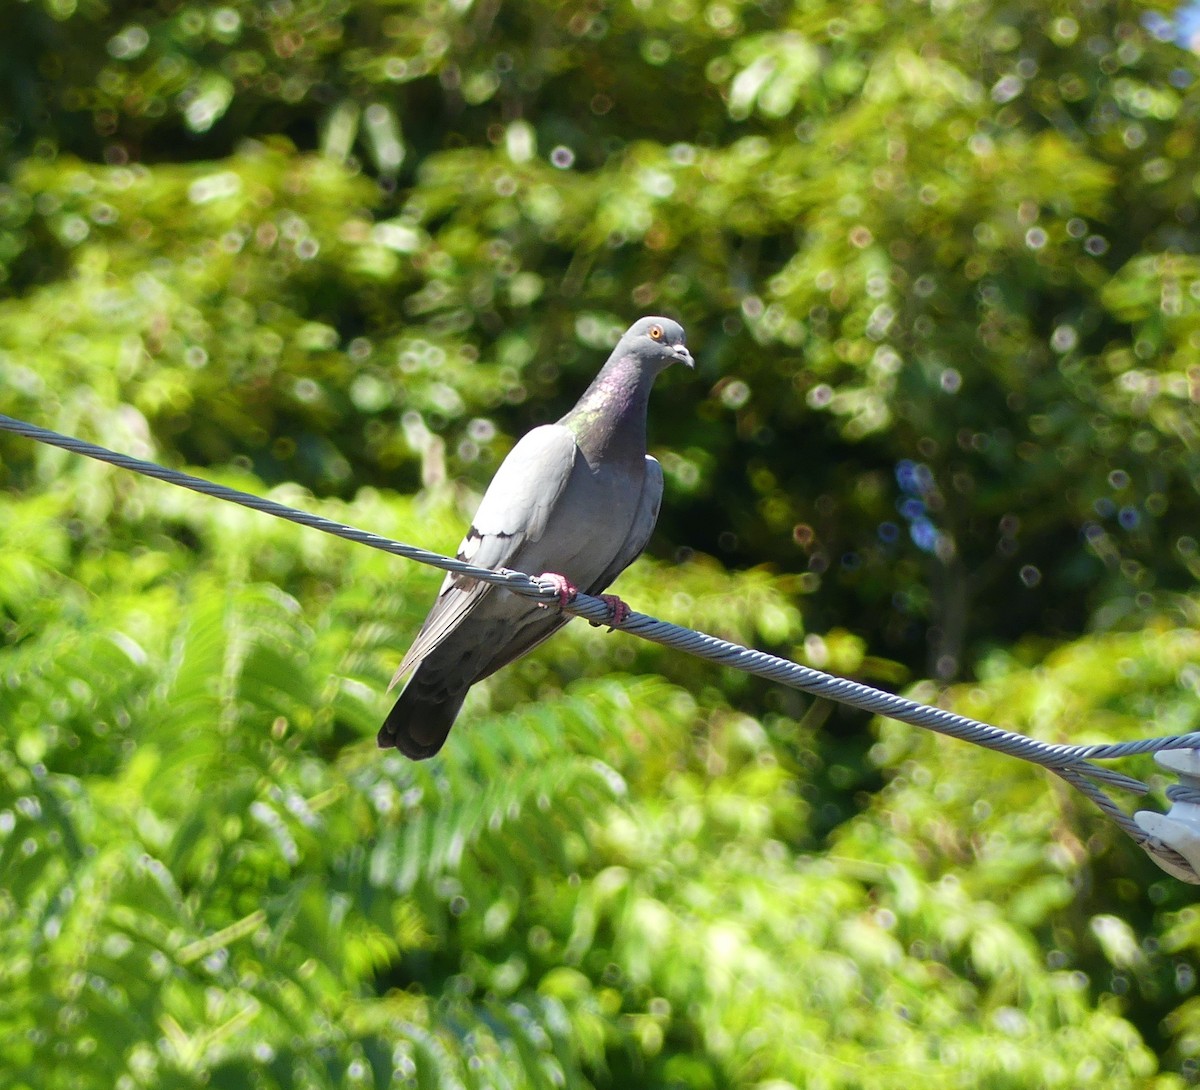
940 268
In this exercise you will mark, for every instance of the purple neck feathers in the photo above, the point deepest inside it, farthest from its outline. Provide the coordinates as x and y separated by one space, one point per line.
609 420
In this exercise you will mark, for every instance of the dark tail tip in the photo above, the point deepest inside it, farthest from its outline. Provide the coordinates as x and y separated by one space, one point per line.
419 721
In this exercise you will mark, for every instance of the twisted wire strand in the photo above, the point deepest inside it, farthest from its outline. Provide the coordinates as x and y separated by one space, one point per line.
1072 763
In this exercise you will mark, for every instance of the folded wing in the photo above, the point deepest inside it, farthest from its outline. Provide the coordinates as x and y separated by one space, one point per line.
514 511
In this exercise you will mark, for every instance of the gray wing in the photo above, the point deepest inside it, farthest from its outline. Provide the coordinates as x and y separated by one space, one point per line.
639 535
643 526
514 510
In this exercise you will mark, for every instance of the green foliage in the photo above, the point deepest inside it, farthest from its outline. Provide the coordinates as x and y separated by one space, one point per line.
938 265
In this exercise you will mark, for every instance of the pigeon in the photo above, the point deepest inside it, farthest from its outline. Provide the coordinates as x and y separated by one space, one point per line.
574 501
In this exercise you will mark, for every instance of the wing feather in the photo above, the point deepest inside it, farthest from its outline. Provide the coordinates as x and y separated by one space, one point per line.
544 626
514 511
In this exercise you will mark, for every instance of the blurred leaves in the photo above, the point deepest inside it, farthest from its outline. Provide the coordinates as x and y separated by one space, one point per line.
938 267
961 242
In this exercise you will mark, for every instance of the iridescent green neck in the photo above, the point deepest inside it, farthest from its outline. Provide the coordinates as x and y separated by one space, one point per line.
610 419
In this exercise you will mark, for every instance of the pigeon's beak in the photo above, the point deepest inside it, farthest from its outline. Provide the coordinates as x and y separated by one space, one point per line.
683 355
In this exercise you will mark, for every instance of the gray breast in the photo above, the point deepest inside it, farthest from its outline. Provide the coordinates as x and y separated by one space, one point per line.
590 524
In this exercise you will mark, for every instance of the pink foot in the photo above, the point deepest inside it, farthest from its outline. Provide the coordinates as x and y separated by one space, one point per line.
563 587
619 610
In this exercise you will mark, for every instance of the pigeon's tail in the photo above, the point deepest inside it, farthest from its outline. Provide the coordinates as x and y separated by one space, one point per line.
421 718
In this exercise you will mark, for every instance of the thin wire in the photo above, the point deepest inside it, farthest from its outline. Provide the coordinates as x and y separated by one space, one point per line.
1071 763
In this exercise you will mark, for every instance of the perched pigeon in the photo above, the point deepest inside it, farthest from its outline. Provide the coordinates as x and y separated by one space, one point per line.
576 500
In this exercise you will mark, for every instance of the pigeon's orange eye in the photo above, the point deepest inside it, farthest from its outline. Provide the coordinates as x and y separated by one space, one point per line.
656 333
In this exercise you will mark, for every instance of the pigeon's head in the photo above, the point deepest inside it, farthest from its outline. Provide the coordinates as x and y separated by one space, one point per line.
658 341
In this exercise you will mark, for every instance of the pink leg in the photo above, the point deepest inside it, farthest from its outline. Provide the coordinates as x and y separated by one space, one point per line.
563 586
